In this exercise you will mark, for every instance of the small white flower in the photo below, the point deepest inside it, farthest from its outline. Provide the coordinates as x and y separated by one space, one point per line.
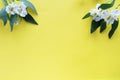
96 13
110 17
21 10
115 13
11 8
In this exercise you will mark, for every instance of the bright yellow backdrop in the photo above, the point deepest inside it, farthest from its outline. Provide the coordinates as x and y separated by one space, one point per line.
60 47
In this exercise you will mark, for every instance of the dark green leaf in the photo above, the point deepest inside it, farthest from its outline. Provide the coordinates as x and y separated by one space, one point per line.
13 20
113 29
103 26
4 16
30 5
30 19
95 25
86 16
106 6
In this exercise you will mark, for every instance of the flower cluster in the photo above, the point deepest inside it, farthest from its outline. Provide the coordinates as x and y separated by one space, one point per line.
102 17
19 9
16 10
108 16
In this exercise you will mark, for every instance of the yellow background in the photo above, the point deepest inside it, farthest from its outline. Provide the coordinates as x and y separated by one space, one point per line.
60 47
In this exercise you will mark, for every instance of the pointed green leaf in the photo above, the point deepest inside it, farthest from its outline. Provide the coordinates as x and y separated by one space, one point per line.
30 19
95 25
103 26
113 29
30 5
4 16
86 16
106 6
13 19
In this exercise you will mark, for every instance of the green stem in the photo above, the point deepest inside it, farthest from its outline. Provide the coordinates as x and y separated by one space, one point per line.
109 1
118 6
5 2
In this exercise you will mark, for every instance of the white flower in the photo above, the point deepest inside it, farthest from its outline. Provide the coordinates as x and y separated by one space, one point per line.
110 17
11 8
96 13
21 10
115 13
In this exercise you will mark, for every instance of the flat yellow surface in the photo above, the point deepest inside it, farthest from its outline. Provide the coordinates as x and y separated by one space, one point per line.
60 47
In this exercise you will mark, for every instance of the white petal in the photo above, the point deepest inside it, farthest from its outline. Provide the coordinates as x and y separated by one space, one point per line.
97 19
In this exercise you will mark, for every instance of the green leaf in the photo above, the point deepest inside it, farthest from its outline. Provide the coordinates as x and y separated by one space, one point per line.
113 29
13 19
86 16
5 2
4 16
30 5
30 19
95 25
103 26
106 6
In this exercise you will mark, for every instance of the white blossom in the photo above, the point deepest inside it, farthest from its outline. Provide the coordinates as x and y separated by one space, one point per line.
21 10
110 16
96 13
11 8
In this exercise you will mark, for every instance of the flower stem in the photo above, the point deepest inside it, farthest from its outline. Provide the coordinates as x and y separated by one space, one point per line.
108 1
5 2
118 6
